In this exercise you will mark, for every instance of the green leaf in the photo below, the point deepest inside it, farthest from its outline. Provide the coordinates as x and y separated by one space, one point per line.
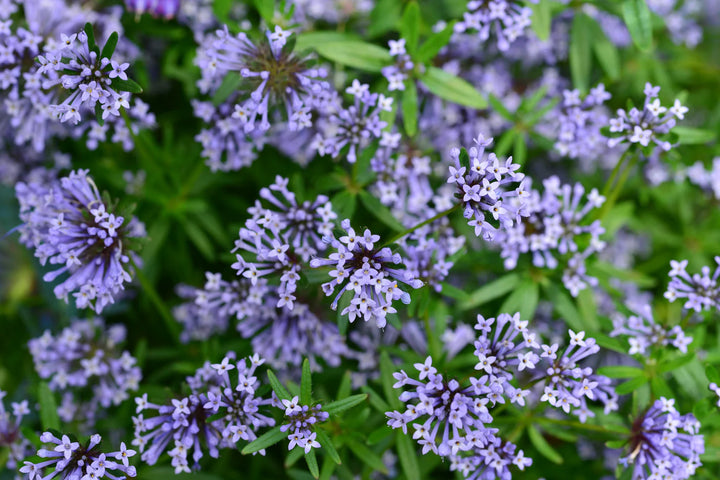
384 16
524 300
293 456
407 455
277 387
499 108
580 48
712 374
109 47
266 9
271 437
230 84
128 85
410 26
355 53
454 89
637 18
90 32
380 211
312 463
376 400
344 204
490 291
605 51
693 136
367 456
543 446
327 444
410 107
621 371
565 307
631 385
306 383
588 310
49 418
345 386
676 363
379 435
541 19
338 406
310 40
434 44
452 291
520 150
340 319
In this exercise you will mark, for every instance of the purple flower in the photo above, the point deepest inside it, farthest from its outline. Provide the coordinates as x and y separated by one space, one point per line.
70 460
355 126
283 239
68 224
85 362
365 269
507 19
700 290
301 423
482 188
157 8
651 124
10 435
490 462
551 224
664 443
643 333
273 78
187 424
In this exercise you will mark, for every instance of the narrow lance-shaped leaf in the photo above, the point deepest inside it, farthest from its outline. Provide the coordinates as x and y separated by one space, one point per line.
410 108
410 26
109 47
639 23
306 383
344 404
280 391
454 89
312 463
271 437
434 43
48 408
328 445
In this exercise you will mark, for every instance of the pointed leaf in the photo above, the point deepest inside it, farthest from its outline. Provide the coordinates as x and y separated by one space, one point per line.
312 463
271 437
579 55
407 455
454 89
109 47
367 456
356 54
542 446
434 44
639 23
380 211
410 26
410 108
49 418
327 444
277 387
490 291
306 383
333 408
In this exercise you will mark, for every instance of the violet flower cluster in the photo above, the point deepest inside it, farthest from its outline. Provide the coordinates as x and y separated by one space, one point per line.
483 188
664 444
644 333
552 225
451 419
10 435
69 460
366 271
87 75
651 124
283 240
398 72
71 227
84 362
185 427
157 8
700 290
506 19
301 423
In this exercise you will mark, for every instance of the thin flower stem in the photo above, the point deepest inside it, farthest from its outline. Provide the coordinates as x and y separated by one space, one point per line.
423 223
615 193
155 299
613 175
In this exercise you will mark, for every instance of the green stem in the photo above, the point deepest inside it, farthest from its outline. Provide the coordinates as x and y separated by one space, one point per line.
686 319
614 173
615 193
155 299
423 223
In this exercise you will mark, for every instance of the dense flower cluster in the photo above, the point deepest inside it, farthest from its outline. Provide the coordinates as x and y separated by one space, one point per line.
482 187
507 19
10 435
282 241
282 335
85 358
69 460
700 290
651 124
580 121
664 444
643 333
158 8
301 423
355 126
397 73
367 271
187 423
70 225
551 225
